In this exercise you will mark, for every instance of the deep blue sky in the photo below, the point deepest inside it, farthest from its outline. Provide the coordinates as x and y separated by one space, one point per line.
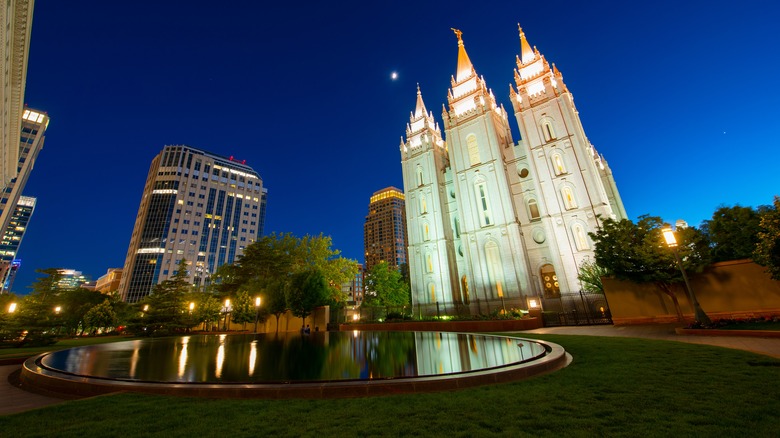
681 98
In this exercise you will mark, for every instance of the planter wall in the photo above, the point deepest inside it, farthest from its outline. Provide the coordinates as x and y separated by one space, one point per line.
510 325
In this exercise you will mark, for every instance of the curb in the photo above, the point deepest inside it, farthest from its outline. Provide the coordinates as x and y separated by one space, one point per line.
734 333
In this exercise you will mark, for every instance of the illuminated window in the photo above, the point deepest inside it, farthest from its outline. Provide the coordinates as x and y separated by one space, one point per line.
568 198
549 132
557 162
432 292
533 209
580 238
428 263
426 232
495 271
485 217
423 205
473 148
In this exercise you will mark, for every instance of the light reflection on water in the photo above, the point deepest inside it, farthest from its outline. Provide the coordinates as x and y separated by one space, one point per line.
294 357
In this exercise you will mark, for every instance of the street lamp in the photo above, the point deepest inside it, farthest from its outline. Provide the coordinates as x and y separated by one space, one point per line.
257 312
227 314
58 309
192 306
12 308
671 242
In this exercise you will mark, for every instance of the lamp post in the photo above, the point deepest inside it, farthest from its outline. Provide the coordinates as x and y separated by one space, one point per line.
227 314
12 308
671 242
257 312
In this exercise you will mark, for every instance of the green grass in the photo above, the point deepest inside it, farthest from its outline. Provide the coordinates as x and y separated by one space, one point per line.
615 387
11 353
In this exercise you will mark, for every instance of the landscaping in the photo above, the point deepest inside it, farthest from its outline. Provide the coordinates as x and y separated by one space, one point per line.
614 387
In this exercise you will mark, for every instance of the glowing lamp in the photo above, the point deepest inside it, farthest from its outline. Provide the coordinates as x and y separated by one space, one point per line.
257 302
192 306
533 304
671 241
12 308
58 309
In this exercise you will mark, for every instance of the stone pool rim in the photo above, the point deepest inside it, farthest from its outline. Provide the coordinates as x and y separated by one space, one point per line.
37 376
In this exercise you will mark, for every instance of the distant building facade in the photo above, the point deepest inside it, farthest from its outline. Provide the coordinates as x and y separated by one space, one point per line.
197 206
109 282
490 218
72 279
16 17
11 239
384 232
353 289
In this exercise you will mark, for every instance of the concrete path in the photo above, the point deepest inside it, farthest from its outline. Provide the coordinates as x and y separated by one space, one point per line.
14 399
767 346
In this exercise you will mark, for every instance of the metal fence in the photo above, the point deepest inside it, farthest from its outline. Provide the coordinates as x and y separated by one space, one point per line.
573 308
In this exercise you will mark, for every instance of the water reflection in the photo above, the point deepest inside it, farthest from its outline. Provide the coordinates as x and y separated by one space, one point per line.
294 357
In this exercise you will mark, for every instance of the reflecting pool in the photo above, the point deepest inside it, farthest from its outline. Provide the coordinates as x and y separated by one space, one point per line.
293 357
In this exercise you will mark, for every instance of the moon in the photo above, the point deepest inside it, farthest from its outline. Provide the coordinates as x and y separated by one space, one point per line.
394 75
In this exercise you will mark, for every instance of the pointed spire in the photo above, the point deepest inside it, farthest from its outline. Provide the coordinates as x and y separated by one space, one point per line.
527 55
420 108
464 63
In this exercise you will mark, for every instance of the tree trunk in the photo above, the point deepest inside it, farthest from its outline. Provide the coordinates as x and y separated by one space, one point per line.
277 323
667 289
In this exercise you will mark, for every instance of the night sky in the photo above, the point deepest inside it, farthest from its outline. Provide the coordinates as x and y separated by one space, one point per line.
680 97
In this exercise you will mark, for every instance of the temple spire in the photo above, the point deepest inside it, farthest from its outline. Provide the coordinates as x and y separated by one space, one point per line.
464 63
526 53
420 108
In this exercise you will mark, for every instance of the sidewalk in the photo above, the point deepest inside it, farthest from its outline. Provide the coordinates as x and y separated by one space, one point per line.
767 346
14 399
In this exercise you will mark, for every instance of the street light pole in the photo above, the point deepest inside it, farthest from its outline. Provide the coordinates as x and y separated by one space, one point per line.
257 312
698 313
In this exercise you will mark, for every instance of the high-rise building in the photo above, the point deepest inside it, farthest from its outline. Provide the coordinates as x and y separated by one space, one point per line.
490 218
16 18
71 279
384 233
11 240
198 207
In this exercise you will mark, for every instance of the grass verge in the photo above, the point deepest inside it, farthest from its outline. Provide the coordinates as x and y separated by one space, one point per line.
615 387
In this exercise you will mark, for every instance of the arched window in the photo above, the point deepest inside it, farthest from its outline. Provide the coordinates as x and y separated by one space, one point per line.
495 271
548 131
428 263
557 163
569 202
473 148
432 292
456 227
483 204
580 237
426 231
533 209
423 205
419 175
464 285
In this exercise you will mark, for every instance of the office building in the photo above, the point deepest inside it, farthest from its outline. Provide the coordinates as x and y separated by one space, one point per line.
198 207
384 232
72 279
16 18
109 282
493 219
353 289
11 240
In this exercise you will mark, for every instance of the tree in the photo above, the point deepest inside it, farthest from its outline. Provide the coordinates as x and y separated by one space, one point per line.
101 316
275 300
385 287
208 310
733 232
307 290
637 253
243 309
767 252
590 276
167 304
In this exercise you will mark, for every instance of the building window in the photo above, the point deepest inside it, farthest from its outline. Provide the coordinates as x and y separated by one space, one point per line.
568 198
432 292
473 148
549 132
428 263
423 205
426 231
420 180
485 217
533 209
495 271
580 237
456 227
557 162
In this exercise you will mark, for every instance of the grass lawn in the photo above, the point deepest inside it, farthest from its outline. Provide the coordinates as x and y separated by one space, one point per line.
615 387
10 353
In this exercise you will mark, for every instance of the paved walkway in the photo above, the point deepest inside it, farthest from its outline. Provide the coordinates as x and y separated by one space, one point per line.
14 399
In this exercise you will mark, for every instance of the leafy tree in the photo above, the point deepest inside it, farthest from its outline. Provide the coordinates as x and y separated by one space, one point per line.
208 310
590 276
35 319
767 252
101 316
385 287
275 300
167 304
243 309
733 232
307 290
637 253
75 303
